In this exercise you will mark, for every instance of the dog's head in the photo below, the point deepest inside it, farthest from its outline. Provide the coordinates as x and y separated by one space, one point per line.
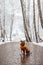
22 42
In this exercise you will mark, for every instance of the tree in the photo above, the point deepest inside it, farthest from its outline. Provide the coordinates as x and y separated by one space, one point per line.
11 26
40 12
34 20
24 20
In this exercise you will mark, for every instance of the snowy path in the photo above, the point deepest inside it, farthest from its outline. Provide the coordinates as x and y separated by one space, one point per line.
10 55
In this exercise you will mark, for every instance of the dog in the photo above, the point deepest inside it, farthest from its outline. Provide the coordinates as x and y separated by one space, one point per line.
24 48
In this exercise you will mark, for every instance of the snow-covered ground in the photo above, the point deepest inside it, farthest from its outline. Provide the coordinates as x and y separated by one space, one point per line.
39 44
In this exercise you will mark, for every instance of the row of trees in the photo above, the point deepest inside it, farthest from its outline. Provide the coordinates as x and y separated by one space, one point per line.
3 33
26 21
23 6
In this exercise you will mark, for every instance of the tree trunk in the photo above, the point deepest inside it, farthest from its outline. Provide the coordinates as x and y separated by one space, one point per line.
34 20
40 12
11 27
4 24
24 19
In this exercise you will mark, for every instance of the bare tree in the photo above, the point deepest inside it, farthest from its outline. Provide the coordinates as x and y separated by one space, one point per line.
40 12
2 34
34 20
41 19
24 19
11 26
0 26
12 19
3 21
27 17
